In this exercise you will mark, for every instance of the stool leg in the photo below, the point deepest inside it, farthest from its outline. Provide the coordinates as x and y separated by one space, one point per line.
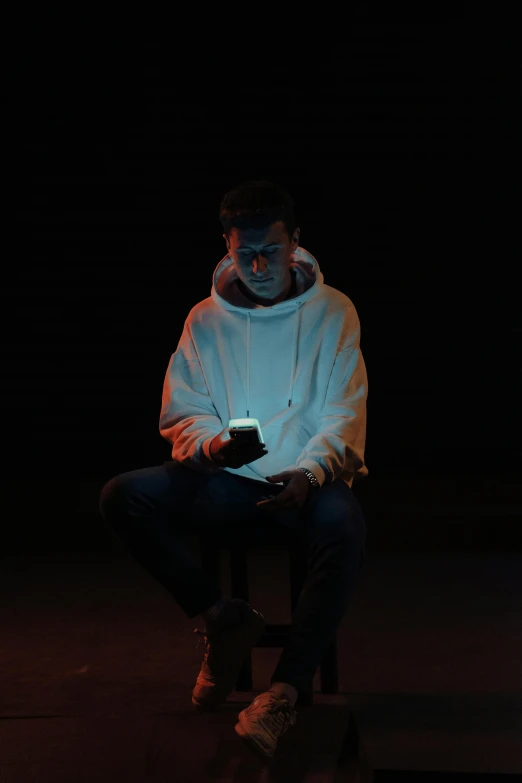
239 589
239 572
329 670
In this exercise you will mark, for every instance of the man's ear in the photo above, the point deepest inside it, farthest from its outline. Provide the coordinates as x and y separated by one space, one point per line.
226 241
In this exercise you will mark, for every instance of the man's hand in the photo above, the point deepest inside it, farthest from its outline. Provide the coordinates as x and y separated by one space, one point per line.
295 494
227 453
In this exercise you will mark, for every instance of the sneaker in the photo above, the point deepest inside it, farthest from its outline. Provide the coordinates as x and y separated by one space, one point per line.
263 723
226 648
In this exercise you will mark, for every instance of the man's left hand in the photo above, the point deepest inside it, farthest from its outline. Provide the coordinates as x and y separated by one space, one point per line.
294 495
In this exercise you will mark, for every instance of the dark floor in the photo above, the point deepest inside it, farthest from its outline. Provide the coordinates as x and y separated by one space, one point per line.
98 664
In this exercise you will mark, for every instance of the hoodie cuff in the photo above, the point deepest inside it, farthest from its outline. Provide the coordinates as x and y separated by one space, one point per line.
206 453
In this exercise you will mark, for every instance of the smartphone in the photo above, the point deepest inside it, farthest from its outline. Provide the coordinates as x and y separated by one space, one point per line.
246 431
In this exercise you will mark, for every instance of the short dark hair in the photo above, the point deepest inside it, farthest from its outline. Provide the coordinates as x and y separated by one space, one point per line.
257 204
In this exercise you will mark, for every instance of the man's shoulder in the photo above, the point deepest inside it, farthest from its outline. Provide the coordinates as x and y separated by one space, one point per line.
337 300
202 310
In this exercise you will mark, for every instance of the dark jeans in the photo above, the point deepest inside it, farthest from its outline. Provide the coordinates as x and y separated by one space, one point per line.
142 506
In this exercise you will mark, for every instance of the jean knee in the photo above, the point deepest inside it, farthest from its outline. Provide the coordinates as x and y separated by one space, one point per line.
111 496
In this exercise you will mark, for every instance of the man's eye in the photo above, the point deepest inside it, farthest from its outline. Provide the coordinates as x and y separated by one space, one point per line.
243 254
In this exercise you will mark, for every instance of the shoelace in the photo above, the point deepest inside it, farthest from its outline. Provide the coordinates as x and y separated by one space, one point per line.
281 713
202 635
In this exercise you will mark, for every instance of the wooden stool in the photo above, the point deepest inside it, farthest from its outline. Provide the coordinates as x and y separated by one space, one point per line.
274 634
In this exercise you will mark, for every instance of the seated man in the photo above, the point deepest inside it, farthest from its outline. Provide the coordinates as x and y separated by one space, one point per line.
275 343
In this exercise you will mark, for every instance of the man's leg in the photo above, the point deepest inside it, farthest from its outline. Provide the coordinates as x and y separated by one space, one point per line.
336 532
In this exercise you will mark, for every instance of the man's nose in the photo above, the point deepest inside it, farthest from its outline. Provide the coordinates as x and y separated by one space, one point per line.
260 262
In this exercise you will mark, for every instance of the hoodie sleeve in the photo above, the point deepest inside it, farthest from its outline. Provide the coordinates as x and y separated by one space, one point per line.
188 418
338 445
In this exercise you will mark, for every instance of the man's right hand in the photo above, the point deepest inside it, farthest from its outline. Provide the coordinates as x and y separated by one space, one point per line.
229 453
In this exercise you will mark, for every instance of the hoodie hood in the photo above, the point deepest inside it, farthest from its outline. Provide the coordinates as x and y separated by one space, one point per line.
303 267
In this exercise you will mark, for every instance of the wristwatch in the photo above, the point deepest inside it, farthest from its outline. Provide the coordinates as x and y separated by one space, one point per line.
310 476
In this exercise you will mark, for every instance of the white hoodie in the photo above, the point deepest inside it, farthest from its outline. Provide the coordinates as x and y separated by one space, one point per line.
296 366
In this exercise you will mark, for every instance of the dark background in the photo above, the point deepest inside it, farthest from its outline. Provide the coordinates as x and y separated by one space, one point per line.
397 144
400 143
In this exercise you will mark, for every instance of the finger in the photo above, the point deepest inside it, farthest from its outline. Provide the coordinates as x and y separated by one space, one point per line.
275 504
285 502
267 504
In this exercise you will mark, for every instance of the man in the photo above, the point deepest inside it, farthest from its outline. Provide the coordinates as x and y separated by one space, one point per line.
274 343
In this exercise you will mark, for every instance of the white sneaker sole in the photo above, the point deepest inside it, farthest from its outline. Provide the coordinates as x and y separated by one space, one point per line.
256 744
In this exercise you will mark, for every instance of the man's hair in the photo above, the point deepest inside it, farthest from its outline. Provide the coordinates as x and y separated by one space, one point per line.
257 204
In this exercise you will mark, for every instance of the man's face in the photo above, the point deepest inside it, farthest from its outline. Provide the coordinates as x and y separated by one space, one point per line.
262 261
